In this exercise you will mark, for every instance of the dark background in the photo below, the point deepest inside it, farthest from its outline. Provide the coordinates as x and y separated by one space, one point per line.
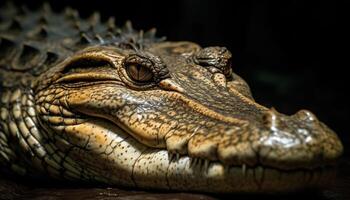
292 53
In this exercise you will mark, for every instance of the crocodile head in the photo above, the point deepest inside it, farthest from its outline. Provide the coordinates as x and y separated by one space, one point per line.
100 103
176 111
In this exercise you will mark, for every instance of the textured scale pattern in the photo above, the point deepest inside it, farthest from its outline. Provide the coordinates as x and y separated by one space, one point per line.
32 41
85 100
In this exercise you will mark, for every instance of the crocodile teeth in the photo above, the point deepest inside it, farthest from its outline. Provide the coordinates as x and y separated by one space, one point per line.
193 162
200 162
174 156
170 156
196 161
206 164
244 169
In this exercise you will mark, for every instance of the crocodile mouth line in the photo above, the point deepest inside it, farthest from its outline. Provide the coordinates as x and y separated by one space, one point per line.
262 177
173 156
205 163
202 163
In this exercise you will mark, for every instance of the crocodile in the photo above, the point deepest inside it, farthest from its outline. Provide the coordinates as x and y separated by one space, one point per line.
86 100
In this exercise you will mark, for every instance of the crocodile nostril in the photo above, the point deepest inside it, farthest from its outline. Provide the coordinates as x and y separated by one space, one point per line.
306 115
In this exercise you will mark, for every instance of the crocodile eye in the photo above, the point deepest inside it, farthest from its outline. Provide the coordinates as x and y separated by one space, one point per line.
139 73
143 70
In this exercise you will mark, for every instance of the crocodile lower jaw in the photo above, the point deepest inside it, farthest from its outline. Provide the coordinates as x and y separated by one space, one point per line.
160 169
188 174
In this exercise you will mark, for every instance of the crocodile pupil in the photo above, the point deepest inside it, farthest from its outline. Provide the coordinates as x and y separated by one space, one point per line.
139 73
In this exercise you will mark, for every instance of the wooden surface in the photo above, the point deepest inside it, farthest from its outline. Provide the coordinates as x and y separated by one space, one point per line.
12 189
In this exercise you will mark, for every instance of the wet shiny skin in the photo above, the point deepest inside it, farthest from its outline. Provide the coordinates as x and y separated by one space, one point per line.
156 114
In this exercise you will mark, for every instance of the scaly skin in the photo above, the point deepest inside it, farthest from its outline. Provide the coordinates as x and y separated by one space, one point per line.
82 100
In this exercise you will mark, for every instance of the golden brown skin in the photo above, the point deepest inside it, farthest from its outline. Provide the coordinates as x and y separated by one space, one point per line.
82 100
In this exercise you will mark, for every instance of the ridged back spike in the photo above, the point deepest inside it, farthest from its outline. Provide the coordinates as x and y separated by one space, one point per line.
141 33
110 35
61 34
46 8
151 33
70 13
94 19
43 32
84 39
51 58
29 50
128 27
99 38
77 26
118 31
111 24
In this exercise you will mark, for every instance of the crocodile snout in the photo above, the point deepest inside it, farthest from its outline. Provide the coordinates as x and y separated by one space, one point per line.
297 141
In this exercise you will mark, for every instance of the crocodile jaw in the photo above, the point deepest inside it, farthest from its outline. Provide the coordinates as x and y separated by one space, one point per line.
236 143
119 159
108 152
